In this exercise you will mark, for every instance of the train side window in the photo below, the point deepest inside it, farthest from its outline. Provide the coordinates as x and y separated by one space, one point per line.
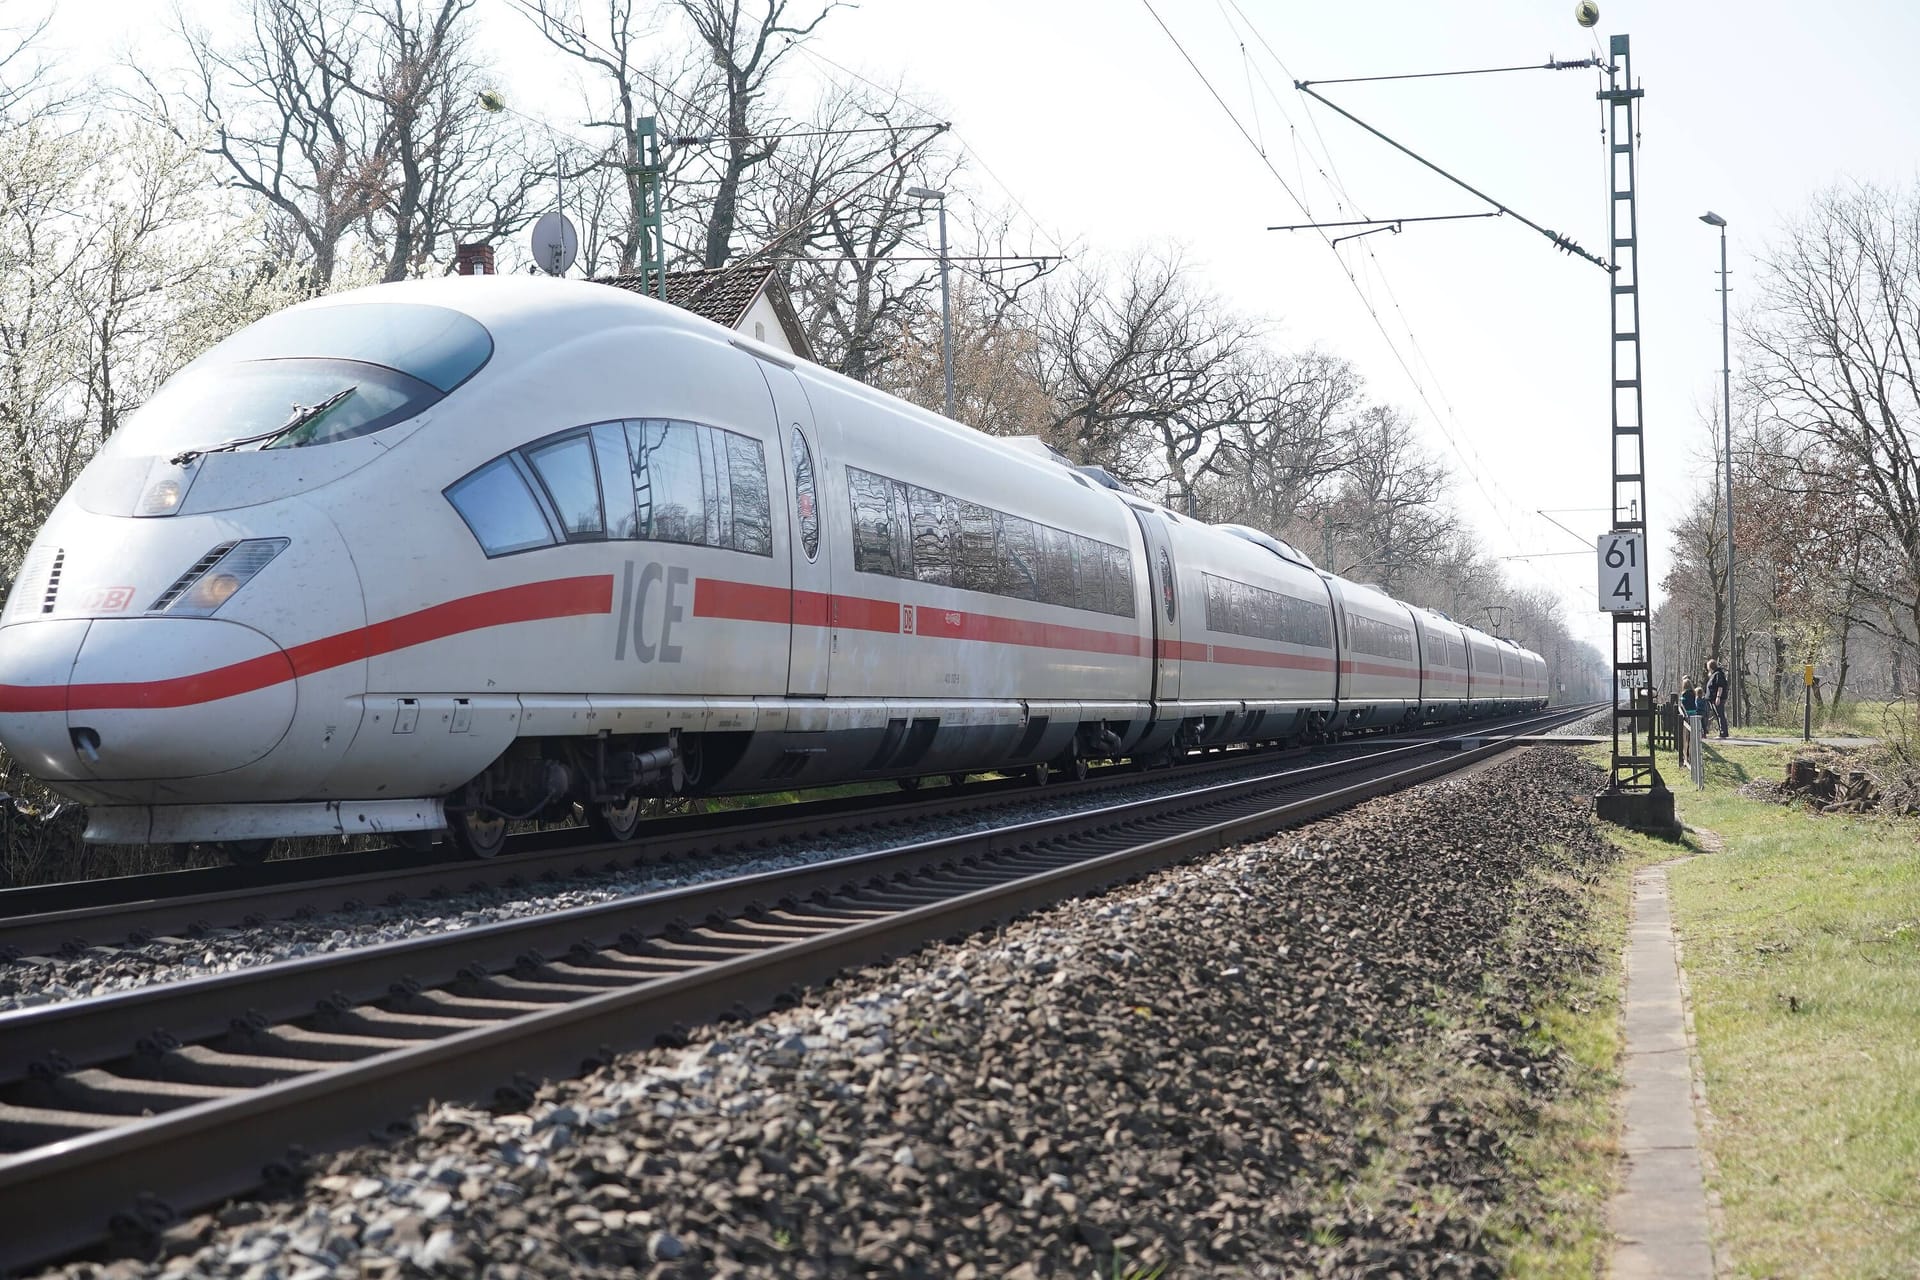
716 468
902 527
1056 567
752 516
616 488
934 520
807 501
500 509
1018 578
1119 582
871 500
978 562
566 469
1089 574
668 494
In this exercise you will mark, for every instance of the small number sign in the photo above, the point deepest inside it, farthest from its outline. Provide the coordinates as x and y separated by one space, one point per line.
1623 573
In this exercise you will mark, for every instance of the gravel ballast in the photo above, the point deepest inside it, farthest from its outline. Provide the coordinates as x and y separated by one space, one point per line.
31 981
1180 1072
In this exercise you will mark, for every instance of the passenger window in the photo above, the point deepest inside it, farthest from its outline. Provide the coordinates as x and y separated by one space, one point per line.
668 494
979 562
500 509
1119 582
809 508
870 497
566 469
616 487
1089 574
752 521
1056 567
902 526
1018 578
717 484
933 520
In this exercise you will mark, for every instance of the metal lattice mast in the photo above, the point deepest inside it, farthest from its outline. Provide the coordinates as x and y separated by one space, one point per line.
1633 723
646 167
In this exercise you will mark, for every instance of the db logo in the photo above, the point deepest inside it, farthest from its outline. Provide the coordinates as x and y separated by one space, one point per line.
106 599
906 619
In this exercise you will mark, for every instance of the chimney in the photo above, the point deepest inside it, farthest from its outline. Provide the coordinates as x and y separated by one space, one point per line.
473 259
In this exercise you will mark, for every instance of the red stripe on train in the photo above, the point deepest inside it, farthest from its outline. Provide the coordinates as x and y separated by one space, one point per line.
532 602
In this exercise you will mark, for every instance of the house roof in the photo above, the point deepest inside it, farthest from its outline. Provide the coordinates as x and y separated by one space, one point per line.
722 295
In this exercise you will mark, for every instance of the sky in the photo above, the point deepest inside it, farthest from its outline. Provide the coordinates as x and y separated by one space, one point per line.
1084 117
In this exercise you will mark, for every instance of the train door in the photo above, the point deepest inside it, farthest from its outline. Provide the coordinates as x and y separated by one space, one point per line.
798 444
1162 570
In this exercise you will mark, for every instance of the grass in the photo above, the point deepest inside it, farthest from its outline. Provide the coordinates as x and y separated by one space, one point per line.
1853 719
1801 944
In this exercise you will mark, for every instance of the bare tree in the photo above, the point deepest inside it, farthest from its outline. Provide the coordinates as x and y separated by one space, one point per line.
744 53
636 77
839 216
1388 508
1136 363
1295 439
356 122
1834 358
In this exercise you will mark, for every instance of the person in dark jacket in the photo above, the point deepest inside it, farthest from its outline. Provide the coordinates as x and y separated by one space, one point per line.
1717 694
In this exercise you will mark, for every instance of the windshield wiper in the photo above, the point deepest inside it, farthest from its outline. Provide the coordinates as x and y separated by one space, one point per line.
301 416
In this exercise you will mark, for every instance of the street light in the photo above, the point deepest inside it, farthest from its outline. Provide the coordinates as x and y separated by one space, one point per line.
946 302
1713 219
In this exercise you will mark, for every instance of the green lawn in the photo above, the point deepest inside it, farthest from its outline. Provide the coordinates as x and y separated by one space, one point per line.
1801 943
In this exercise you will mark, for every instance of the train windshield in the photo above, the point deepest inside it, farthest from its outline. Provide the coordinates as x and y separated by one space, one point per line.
310 376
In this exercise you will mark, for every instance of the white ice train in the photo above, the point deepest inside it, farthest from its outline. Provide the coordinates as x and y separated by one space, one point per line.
444 554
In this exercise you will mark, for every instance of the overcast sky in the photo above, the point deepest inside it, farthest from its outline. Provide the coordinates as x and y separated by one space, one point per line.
1085 113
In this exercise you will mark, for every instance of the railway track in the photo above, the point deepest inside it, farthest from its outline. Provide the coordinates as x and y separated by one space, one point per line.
72 916
208 1087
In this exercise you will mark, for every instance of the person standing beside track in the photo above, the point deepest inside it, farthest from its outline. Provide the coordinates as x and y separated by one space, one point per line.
1690 706
1717 693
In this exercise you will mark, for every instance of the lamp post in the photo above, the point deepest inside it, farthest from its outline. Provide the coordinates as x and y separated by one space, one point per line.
946 301
1713 219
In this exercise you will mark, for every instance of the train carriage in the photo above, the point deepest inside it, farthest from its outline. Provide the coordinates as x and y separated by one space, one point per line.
1444 685
444 554
1247 633
1379 657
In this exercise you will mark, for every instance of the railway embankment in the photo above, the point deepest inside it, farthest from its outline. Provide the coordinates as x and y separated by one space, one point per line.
1371 1041
1799 932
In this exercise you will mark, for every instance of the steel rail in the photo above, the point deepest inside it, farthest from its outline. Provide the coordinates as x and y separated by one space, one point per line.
635 969
70 916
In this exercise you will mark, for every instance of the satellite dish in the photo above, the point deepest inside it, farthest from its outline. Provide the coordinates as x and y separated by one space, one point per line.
555 243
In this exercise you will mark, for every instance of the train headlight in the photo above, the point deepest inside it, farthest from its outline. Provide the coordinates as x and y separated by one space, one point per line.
212 591
217 576
163 498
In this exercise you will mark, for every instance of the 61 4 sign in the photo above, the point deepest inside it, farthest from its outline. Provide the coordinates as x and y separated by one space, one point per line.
1623 573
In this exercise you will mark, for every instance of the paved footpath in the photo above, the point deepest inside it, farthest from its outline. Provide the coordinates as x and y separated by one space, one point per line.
1659 1216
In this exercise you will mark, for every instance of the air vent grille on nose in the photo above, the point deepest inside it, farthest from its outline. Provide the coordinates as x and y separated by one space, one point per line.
24 595
187 579
52 593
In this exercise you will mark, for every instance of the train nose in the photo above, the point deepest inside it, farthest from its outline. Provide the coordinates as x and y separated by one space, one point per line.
210 695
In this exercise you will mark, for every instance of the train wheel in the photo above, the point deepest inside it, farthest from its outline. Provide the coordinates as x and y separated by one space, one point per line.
1078 768
908 784
245 853
478 835
616 820
1040 775
956 779
414 841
